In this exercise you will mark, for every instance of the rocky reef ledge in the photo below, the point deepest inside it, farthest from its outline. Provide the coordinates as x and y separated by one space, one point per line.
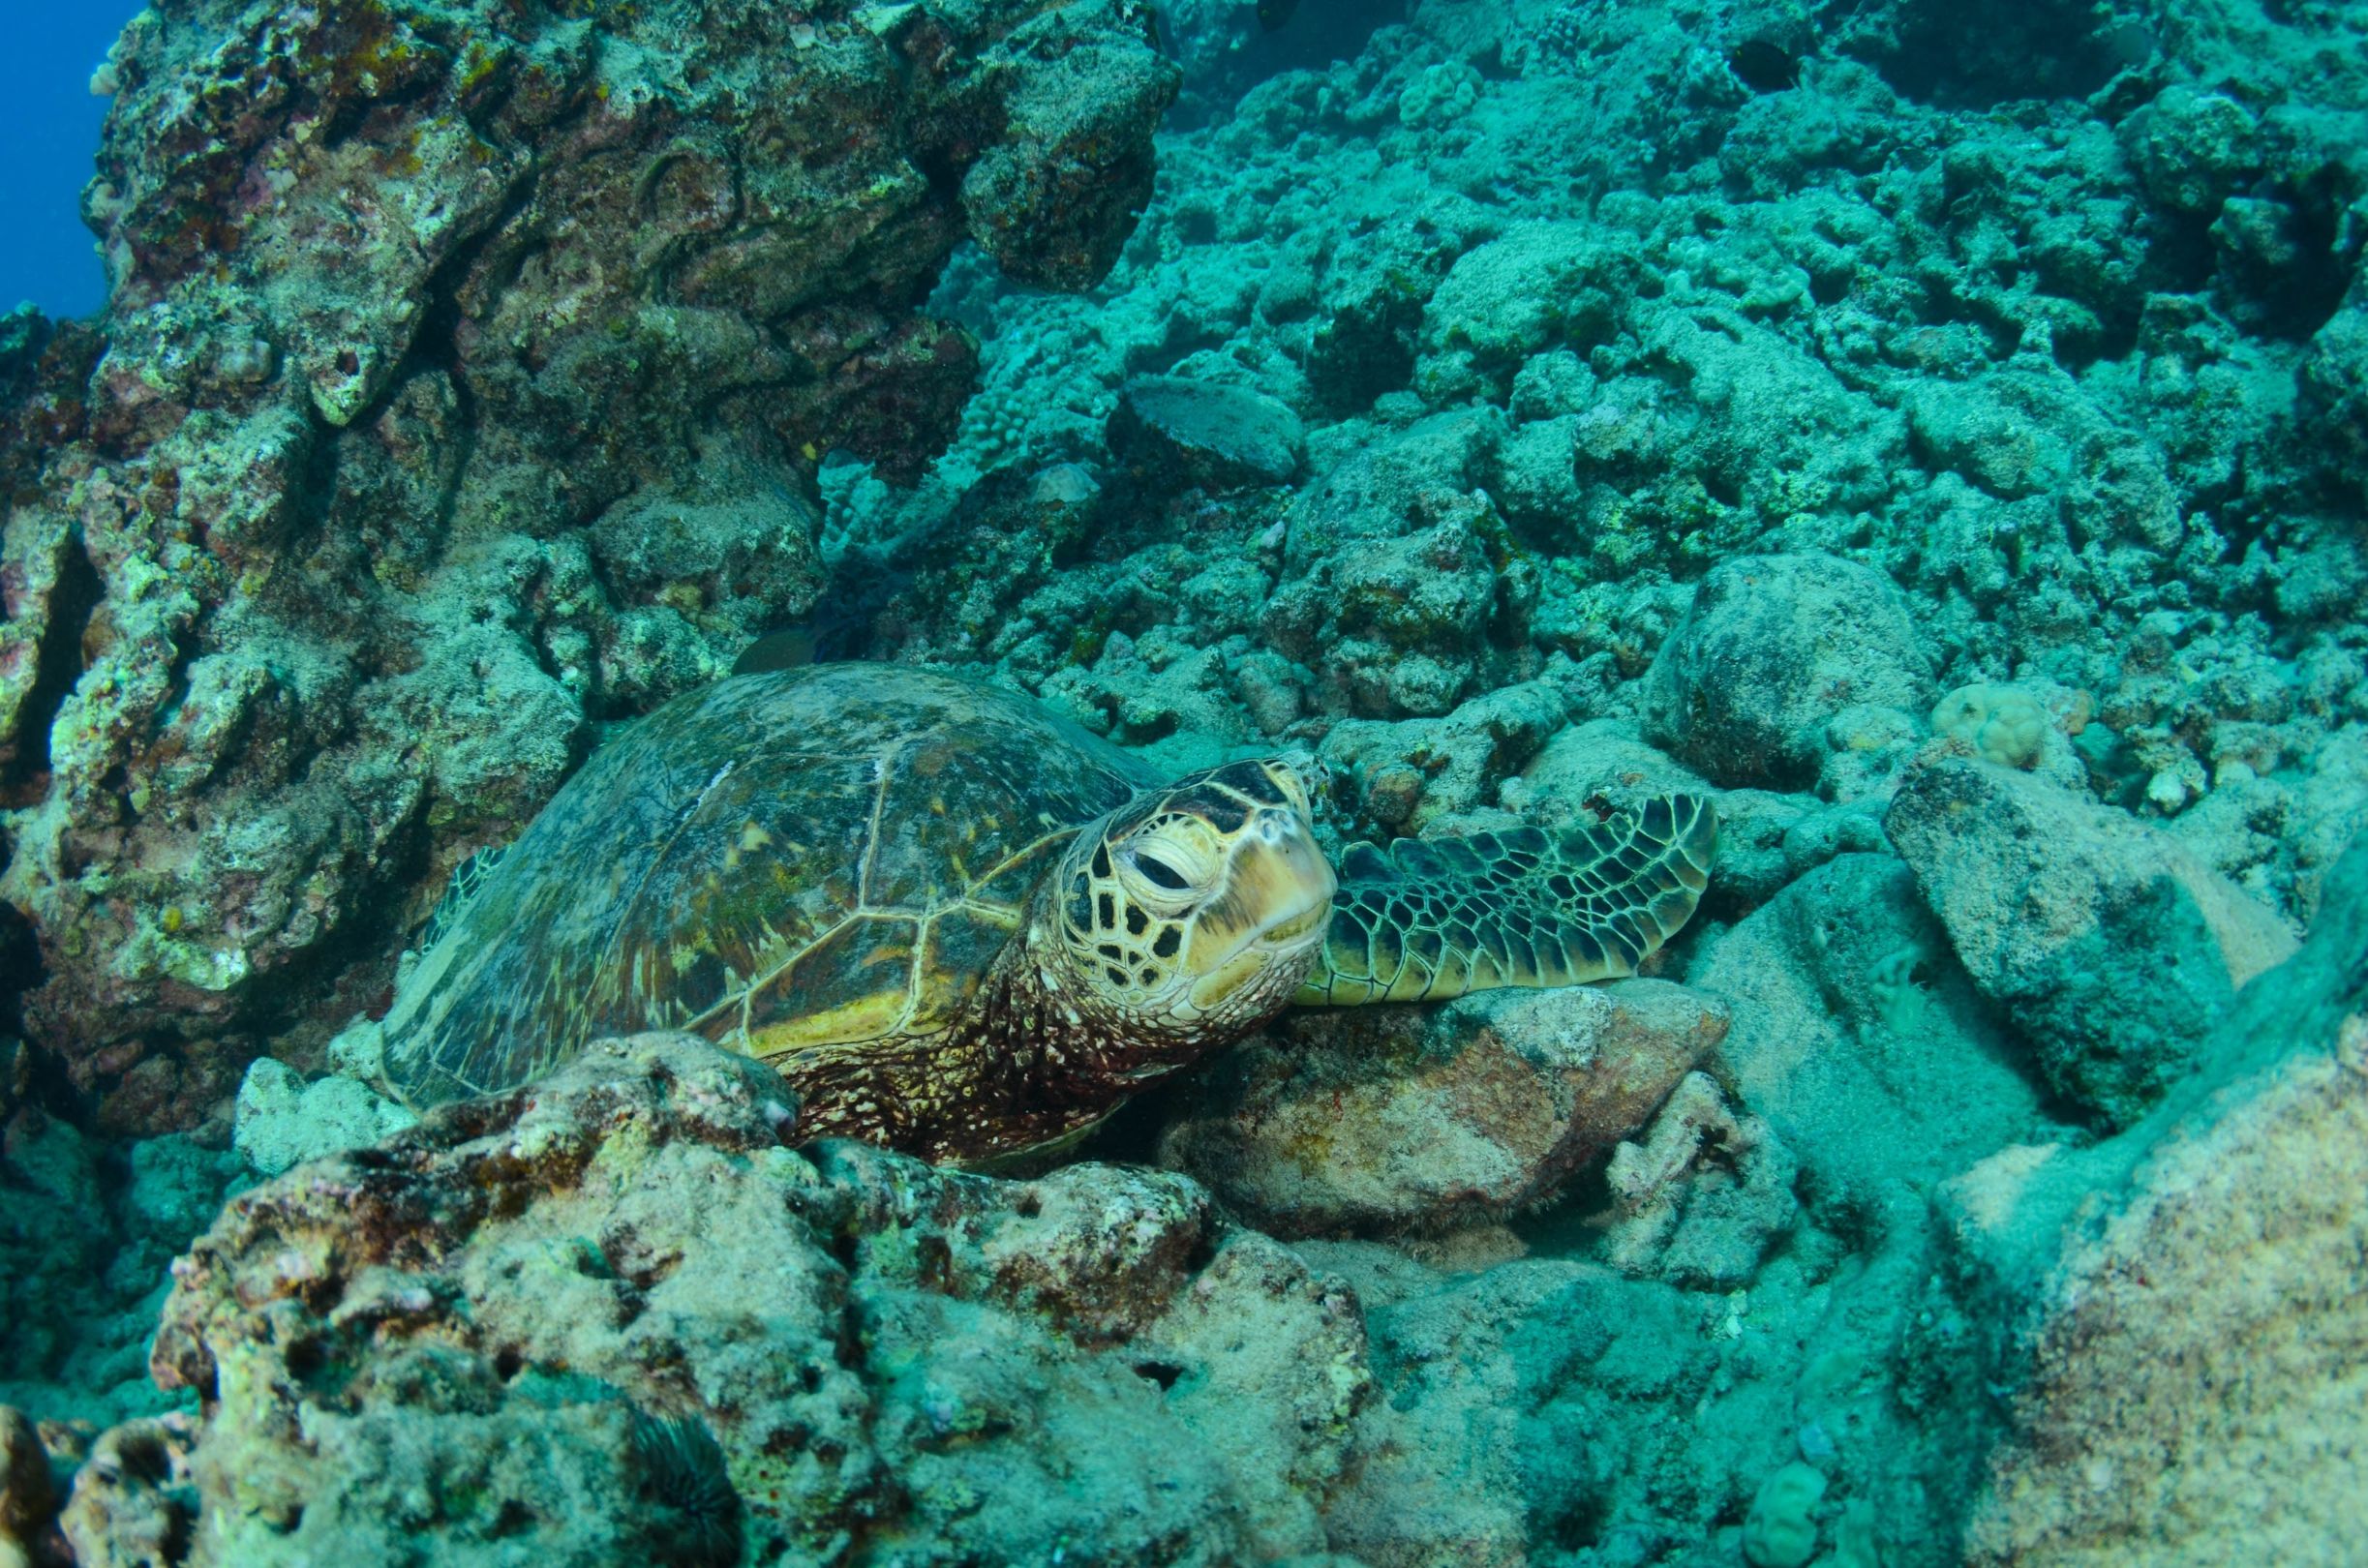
616 1318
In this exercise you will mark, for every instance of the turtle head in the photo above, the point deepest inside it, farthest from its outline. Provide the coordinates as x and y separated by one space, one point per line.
1195 910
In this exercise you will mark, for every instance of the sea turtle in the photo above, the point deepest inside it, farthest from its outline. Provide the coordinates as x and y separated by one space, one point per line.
963 926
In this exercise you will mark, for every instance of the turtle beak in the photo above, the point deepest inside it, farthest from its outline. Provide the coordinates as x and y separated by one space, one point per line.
1285 877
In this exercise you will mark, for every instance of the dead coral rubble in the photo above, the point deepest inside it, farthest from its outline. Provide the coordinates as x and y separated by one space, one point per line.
462 386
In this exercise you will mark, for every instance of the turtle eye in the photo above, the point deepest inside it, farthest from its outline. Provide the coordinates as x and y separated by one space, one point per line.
1159 873
1173 861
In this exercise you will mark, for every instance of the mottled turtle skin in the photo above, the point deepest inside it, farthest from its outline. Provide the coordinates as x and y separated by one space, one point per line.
963 926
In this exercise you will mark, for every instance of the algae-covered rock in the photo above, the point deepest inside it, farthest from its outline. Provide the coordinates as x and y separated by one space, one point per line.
2113 949
2193 148
282 1121
45 588
617 1316
2181 1309
1386 1119
1505 300
1071 94
1177 433
1372 299
1393 627
1530 1403
1859 1038
1401 776
1702 1195
1773 648
2335 384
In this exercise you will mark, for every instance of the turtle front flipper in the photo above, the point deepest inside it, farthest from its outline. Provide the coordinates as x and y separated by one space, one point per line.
1430 918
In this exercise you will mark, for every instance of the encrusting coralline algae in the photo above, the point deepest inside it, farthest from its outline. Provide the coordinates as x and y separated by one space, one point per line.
1937 432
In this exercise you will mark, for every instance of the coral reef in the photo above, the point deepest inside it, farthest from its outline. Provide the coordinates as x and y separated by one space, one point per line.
88 1230
1938 432
2016 389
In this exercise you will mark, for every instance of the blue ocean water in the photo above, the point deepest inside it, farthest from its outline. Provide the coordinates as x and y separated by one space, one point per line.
46 139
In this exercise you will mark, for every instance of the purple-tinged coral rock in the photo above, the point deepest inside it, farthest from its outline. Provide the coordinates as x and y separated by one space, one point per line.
515 1321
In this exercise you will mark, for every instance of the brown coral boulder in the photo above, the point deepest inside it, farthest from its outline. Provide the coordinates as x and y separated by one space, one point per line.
1390 1119
617 1317
25 1491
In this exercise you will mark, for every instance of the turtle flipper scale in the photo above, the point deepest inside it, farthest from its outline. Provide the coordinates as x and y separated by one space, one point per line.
1435 919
